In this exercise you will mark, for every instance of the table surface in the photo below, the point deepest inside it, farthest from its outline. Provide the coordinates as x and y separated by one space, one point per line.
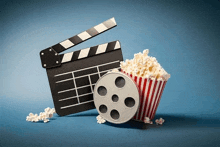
182 35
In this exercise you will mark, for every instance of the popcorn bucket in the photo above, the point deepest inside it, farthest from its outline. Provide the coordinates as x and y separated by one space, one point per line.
150 95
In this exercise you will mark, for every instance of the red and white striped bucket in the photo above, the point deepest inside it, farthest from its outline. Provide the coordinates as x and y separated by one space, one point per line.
150 95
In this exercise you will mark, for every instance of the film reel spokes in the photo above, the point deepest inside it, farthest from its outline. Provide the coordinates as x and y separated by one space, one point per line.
116 97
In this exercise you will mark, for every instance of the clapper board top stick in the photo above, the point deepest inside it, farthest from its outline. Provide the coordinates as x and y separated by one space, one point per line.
72 76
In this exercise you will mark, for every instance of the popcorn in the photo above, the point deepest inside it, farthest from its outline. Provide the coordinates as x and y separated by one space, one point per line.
51 115
145 52
147 120
53 110
43 116
47 109
100 120
157 121
31 114
144 66
46 120
35 119
160 121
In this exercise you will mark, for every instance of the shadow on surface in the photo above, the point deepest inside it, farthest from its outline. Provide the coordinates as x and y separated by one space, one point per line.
171 121
52 118
174 121
132 124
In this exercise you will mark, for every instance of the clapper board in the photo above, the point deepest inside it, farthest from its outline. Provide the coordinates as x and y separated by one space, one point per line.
72 76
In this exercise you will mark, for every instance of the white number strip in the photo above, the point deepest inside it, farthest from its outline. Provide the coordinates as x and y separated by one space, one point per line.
87 75
98 71
66 90
74 81
64 80
74 96
76 104
90 83
86 68
74 88
68 98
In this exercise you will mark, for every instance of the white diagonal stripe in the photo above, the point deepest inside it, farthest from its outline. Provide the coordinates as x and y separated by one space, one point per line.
154 98
141 96
100 28
117 45
67 57
84 35
149 98
101 48
157 98
83 53
113 20
66 44
145 97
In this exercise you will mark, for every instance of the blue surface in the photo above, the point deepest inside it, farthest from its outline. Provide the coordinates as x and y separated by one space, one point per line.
182 35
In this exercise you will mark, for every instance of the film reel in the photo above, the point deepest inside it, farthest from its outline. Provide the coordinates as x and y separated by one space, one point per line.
116 97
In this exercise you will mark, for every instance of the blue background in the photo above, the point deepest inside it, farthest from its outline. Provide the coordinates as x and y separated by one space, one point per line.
182 35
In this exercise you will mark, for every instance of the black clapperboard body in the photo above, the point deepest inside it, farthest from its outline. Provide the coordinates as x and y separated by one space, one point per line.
72 76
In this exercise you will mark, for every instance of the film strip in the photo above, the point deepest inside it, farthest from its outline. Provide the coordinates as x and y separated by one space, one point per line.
72 76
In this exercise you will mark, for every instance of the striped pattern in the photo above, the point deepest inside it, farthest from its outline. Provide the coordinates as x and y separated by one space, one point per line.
84 35
150 95
88 52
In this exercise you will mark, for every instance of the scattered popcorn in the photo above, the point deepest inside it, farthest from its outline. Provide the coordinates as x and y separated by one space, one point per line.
46 120
159 121
47 109
43 116
145 66
147 120
51 115
31 114
100 120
